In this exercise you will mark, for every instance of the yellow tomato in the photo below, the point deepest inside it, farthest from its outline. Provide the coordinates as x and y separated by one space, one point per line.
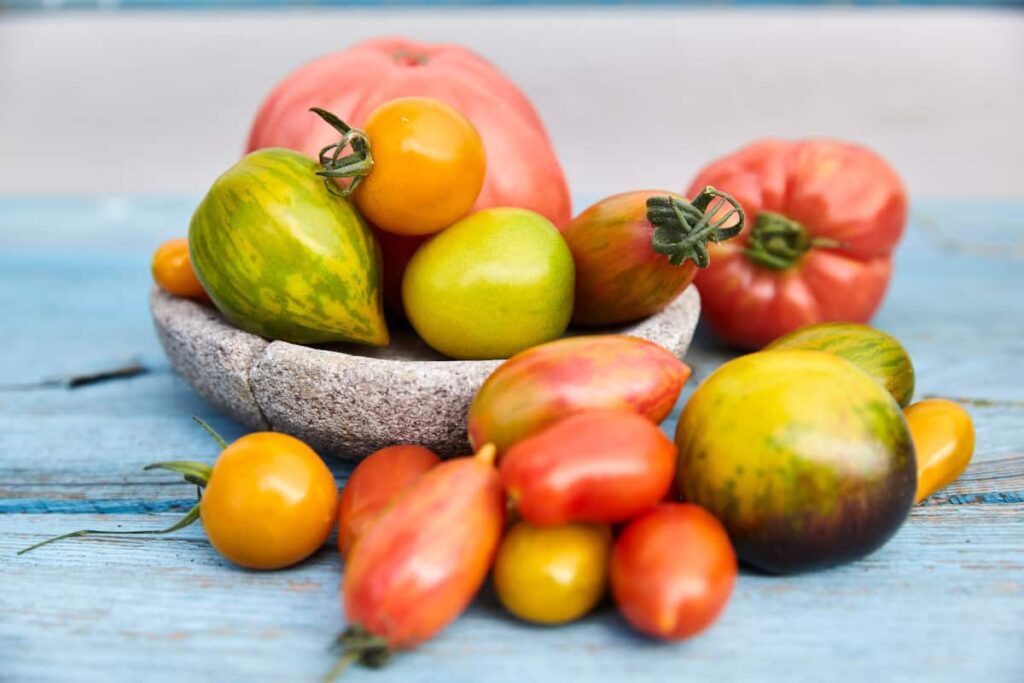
552 575
943 436
270 501
172 270
428 167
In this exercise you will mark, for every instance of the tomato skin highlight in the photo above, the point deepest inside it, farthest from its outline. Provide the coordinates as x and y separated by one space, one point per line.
552 575
546 383
421 563
600 466
943 435
173 272
270 501
619 277
429 165
376 482
833 190
672 571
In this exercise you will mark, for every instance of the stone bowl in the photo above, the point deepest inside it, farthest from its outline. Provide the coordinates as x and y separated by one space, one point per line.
346 400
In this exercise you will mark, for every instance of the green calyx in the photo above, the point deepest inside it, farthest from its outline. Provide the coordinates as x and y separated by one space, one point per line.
356 644
682 229
356 165
778 243
194 473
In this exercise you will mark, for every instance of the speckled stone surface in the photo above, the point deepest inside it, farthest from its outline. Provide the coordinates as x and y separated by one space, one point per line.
347 401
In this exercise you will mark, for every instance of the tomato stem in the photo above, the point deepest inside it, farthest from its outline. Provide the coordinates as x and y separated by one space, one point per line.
189 518
682 229
355 165
359 645
778 242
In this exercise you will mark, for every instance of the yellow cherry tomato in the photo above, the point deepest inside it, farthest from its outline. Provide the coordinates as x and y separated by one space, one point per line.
943 436
270 501
172 270
552 575
428 167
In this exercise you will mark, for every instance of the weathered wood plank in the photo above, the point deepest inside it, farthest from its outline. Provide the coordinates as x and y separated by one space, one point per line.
944 601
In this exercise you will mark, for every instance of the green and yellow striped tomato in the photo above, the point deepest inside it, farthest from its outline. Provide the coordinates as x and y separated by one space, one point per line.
871 350
805 459
282 257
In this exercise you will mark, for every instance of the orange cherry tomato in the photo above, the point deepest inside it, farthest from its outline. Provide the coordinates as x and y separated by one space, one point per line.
270 501
943 437
672 571
375 483
172 270
428 167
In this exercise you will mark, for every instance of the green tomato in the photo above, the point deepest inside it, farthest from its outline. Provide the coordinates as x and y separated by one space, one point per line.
495 283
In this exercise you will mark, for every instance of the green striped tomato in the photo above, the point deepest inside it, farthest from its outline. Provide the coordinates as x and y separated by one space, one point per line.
871 350
805 460
283 258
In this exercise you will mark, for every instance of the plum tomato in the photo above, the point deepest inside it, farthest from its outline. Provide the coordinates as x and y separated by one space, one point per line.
375 483
172 270
552 575
672 571
943 436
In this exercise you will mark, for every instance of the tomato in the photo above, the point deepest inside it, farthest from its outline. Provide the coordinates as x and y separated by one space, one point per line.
493 284
672 571
376 482
943 435
593 466
552 575
804 458
421 563
543 384
270 501
419 170
522 168
284 258
172 270
636 252
825 217
873 351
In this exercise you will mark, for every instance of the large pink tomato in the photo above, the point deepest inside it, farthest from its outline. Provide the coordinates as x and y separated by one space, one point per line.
522 169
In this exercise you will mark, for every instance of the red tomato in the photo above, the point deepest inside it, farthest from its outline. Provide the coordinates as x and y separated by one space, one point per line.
424 559
672 571
522 169
375 483
824 218
593 466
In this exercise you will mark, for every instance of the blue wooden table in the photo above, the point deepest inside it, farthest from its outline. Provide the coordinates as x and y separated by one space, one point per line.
943 601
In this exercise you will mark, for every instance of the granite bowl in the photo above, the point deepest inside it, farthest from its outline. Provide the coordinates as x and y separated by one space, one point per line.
347 400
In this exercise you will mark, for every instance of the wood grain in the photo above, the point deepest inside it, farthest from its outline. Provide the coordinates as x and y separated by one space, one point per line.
943 601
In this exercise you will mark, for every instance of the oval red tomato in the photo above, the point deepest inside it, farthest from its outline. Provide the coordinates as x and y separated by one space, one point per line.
593 466
824 219
376 482
672 571
522 169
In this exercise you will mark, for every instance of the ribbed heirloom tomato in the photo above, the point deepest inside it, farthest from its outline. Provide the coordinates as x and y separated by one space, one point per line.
824 218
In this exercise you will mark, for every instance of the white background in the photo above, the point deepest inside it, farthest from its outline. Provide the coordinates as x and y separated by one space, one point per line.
161 101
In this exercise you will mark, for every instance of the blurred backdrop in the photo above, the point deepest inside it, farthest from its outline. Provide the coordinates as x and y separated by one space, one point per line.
158 96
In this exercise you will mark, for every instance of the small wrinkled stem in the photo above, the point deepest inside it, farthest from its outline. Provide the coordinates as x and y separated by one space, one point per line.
354 166
682 229
357 645
778 242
